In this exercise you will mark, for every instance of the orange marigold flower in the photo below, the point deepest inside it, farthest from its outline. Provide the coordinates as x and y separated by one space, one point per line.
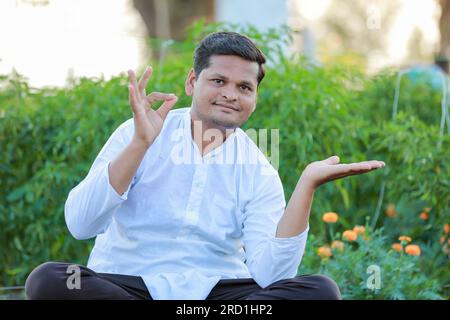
350 235
412 249
390 211
359 229
324 252
423 216
446 228
339 245
397 247
405 238
330 217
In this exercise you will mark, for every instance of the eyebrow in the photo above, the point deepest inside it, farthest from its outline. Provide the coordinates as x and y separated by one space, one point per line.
222 77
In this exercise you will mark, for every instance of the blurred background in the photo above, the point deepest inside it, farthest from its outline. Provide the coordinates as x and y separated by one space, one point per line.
360 79
49 40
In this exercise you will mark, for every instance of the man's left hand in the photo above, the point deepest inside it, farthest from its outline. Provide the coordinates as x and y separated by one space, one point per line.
319 172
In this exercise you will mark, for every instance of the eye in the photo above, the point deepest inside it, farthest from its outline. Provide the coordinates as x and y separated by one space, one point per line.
245 88
217 81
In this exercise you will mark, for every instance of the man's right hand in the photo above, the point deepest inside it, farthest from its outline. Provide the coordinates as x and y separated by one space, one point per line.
147 122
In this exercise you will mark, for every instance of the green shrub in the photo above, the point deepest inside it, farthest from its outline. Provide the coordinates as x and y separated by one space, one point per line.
50 137
354 269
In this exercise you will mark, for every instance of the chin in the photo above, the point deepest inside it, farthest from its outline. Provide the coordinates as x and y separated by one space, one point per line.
224 123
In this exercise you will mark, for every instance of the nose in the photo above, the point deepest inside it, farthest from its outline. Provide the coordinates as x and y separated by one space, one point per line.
229 94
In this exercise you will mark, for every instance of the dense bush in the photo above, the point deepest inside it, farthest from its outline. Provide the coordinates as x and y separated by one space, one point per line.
351 265
50 137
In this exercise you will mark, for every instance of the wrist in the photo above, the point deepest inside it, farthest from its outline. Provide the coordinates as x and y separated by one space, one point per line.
140 144
306 182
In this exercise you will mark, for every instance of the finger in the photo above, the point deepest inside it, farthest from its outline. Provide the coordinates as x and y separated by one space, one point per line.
355 172
375 164
381 163
133 82
143 81
164 109
355 168
371 164
363 166
347 174
159 96
133 101
332 160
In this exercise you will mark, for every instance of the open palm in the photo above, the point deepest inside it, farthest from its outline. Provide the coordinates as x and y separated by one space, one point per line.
320 172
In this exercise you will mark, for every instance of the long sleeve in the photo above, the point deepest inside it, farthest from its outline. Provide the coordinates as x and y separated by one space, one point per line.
90 205
269 258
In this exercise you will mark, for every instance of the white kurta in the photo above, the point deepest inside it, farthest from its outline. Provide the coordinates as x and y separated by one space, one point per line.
186 221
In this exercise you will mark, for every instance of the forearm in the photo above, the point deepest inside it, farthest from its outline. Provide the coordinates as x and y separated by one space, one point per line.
123 168
296 216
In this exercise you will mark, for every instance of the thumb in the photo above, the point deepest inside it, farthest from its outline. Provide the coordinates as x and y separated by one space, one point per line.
332 160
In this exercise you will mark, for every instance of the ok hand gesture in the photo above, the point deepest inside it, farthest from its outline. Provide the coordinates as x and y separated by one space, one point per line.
147 122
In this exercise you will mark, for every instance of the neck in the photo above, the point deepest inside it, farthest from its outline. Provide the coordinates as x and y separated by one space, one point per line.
208 136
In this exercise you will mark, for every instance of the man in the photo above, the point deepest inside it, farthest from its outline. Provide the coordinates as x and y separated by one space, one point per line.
179 209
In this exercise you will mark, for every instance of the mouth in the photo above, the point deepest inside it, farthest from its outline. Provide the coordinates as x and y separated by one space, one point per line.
226 106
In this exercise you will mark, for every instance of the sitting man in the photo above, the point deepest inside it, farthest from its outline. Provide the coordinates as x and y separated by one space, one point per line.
184 205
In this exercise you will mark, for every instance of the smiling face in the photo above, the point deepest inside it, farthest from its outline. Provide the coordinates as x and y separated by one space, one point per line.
224 94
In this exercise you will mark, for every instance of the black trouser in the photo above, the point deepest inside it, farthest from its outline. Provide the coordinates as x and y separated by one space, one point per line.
52 280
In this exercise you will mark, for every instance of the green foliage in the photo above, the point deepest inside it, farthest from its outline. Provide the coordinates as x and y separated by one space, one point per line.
400 275
50 137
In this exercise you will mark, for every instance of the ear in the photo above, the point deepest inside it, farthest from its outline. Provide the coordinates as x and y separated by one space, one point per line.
190 82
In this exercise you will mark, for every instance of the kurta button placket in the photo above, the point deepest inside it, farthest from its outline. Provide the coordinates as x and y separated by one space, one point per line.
195 200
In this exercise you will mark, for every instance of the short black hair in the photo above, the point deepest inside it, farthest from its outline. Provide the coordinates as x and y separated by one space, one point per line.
227 43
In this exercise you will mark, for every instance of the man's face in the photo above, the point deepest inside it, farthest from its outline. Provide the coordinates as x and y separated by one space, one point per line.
224 94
